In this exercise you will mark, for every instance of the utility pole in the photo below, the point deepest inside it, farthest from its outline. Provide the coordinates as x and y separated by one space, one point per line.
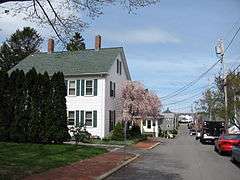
220 53
211 104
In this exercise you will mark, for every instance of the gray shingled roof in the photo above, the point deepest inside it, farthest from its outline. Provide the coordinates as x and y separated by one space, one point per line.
87 61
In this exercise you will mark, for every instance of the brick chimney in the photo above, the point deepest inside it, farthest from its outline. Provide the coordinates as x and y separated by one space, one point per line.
50 46
98 41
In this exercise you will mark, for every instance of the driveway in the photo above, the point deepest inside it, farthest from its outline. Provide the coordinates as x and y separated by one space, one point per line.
181 158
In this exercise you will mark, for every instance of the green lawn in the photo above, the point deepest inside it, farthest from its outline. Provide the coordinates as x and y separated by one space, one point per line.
18 160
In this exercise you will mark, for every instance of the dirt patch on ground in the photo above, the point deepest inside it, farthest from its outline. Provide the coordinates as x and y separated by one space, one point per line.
147 144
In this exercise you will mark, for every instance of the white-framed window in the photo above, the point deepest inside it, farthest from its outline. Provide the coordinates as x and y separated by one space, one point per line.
71 118
72 88
89 118
149 125
89 87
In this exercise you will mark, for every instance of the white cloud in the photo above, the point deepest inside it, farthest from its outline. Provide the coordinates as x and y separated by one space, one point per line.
146 35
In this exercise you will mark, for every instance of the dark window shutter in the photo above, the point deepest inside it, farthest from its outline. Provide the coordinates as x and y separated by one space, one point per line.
114 118
114 89
111 89
120 67
77 118
82 87
66 84
94 118
110 121
95 87
82 119
117 66
78 87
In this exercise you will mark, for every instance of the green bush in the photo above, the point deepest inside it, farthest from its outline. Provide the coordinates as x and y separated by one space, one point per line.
134 132
80 135
174 131
118 134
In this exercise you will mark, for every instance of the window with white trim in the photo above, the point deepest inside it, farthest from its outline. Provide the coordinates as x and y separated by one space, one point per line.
71 118
149 124
89 87
89 118
72 88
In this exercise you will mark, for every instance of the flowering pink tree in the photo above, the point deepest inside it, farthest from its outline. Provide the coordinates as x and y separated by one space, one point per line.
133 100
152 105
139 102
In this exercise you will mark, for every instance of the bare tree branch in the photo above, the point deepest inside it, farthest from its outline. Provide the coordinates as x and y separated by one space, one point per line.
66 17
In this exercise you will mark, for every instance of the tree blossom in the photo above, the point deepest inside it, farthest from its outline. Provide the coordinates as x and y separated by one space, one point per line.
139 103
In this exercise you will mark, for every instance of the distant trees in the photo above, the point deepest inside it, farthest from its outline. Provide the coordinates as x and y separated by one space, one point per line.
33 107
212 101
76 43
21 44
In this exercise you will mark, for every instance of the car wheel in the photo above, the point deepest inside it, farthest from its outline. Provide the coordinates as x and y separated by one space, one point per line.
220 152
233 159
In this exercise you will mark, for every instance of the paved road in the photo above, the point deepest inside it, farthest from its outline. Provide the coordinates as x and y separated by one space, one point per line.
181 158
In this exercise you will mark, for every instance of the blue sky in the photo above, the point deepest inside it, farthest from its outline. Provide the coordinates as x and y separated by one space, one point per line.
167 45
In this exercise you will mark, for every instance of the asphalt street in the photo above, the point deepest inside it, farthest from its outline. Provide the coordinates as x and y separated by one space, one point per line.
180 158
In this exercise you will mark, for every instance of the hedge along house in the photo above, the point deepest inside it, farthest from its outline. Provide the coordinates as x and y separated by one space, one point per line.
93 78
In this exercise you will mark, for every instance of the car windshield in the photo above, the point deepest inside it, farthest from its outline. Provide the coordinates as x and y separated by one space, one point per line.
232 136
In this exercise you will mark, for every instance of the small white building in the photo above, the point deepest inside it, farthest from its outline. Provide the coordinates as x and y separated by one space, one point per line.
150 126
93 78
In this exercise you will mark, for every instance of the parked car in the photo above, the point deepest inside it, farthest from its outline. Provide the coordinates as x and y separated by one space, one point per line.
236 153
225 143
192 132
198 135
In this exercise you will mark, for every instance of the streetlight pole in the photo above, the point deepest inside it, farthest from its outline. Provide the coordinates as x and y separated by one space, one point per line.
220 52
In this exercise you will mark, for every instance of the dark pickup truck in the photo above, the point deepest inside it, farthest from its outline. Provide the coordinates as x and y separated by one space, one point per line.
211 130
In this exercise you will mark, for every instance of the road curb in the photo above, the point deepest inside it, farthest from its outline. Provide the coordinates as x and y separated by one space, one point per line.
97 145
153 146
117 168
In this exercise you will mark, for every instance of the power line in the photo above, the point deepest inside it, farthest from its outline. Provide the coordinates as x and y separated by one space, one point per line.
231 41
193 91
185 99
171 95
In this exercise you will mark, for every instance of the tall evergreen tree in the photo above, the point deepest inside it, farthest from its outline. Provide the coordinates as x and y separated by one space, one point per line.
12 103
19 125
46 107
59 128
76 43
32 83
4 106
21 44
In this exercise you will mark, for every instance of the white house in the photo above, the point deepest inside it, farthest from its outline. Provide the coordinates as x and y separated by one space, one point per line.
150 126
93 78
